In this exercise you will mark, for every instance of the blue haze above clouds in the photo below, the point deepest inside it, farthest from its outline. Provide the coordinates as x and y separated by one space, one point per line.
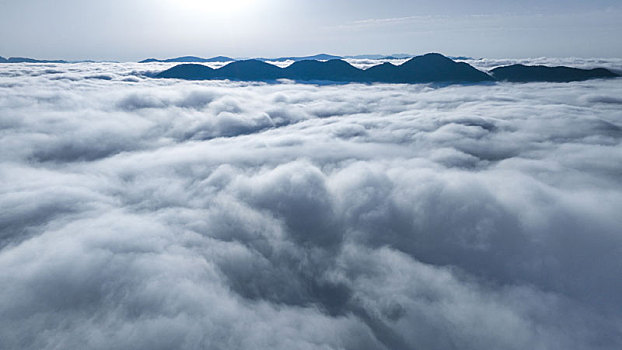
157 214
137 29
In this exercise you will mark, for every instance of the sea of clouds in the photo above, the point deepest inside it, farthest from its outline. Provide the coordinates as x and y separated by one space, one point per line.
138 213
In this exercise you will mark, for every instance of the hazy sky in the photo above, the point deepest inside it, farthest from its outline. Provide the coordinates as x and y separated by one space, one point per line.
136 29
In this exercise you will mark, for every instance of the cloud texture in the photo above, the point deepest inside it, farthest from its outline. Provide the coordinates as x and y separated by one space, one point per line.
159 214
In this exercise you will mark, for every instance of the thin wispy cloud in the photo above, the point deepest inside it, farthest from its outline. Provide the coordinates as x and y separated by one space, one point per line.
370 22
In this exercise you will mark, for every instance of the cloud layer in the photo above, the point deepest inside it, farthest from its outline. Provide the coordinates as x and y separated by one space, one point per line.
158 214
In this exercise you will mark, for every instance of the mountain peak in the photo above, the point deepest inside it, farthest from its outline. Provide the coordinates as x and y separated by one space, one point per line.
188 72
430 58
422 69
428 68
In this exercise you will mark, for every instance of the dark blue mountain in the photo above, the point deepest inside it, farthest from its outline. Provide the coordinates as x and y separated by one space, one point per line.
385 72
333 70
221 59
189 59
434 67
523 74
422 69
401 55
320 57
188 72
395 56
366 57
28 60
429 68
250 70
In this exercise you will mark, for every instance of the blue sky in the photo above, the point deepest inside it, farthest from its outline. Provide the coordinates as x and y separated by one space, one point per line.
135 29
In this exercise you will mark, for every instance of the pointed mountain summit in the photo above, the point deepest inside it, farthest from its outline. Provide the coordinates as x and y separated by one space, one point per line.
520 73
3 60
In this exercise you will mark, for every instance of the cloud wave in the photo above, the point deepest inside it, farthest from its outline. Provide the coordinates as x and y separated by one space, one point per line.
149 214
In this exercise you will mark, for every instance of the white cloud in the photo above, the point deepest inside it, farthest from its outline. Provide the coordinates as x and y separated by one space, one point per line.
140 213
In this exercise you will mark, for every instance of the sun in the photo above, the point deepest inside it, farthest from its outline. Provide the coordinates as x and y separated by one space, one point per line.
220 7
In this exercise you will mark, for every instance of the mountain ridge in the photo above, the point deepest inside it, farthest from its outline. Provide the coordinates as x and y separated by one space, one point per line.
432 67
428 68
189 59
318 57
28 60
521 73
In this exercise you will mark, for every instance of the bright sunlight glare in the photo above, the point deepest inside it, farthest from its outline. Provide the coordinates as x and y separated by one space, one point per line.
221 7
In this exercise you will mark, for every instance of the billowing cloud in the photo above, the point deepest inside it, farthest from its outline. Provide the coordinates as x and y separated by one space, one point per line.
154 214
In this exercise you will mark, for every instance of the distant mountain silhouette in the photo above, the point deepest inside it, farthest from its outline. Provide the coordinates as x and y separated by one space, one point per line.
522 73
333 70
428 68
320 57
28 60
432 67
385 72
366 57
188 72
250 70
395 56
189 59
422 69
401 55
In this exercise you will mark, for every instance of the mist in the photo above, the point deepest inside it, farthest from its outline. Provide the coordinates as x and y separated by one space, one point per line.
140 213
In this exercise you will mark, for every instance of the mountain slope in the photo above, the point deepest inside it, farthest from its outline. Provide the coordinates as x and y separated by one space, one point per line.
188 72
422 69
27 60
189 59
429 68
333 70
319 57
522 73
250 70
434 67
